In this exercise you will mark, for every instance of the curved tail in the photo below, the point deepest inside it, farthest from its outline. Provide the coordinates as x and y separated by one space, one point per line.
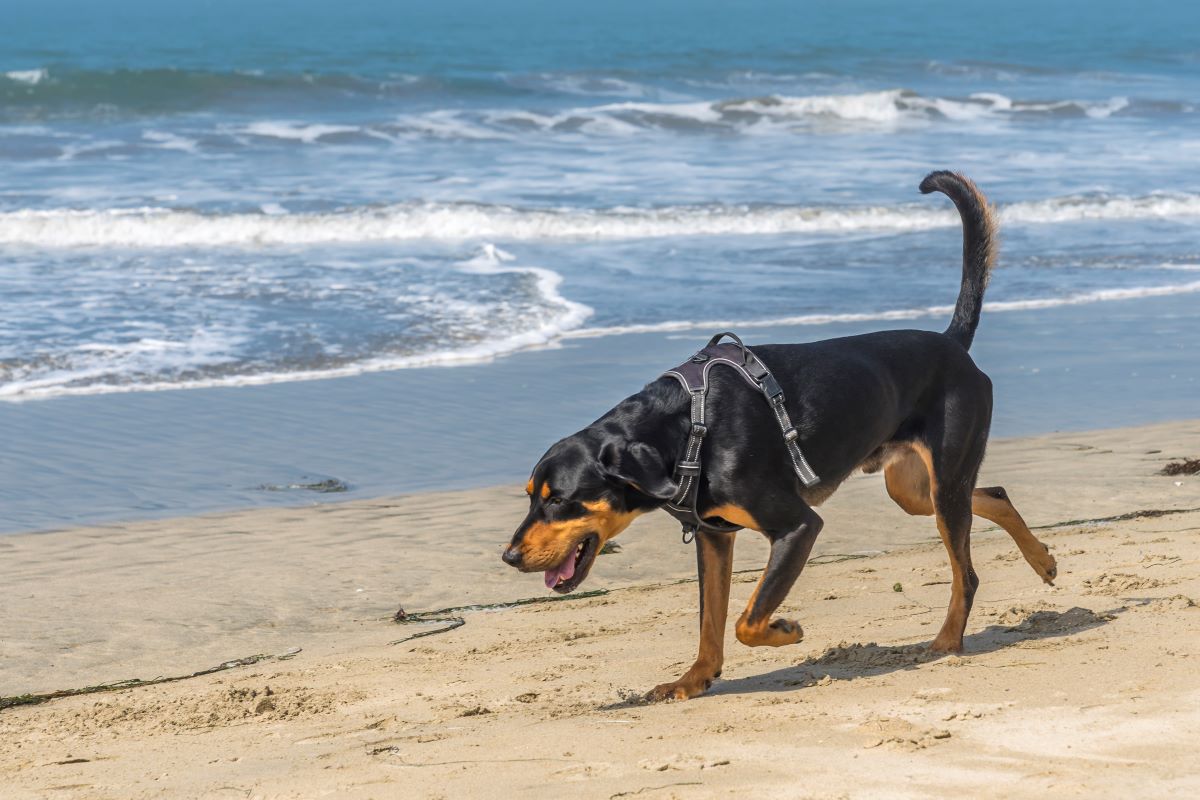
980 244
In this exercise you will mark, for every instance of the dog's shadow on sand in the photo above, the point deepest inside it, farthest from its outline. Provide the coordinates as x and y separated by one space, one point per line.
849 661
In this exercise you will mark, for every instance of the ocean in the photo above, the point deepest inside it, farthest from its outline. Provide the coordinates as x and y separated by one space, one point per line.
239 194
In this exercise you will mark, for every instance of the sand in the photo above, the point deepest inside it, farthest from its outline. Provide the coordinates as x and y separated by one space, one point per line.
1090 687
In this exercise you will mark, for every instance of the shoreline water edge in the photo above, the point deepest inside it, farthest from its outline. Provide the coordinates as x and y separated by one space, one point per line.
78 460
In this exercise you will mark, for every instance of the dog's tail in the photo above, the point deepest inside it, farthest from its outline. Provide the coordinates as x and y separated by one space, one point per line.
980 243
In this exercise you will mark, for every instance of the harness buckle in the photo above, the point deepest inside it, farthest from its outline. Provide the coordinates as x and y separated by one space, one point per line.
791 435
757 369
699 430
688 467
770 386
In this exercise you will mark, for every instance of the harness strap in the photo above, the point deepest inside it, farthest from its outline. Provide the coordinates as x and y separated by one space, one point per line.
693 374
687 472
791 436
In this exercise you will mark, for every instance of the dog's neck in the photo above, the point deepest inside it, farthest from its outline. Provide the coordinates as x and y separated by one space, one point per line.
659 416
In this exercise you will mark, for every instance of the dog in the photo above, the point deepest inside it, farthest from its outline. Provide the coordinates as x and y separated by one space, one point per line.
910 403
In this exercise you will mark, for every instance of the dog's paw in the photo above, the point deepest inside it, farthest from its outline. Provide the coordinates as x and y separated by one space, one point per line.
683 689
778 633
1044 565
787 629
946 647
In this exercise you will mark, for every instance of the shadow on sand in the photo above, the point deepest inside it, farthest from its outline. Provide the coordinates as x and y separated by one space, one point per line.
849 661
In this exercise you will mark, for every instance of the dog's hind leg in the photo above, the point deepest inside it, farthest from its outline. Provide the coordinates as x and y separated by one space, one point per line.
789 553
951 474
993 504
908 484
953 513
714 564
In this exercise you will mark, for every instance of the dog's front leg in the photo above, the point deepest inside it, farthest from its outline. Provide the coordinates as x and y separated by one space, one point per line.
714 564
789 553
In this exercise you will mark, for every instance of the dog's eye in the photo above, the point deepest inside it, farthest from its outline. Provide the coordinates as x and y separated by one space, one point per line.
554 501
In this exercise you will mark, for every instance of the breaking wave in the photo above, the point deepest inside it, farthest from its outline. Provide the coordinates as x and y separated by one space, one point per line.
451 330
563 324
772 111
162 227
50 92
749 115
990 307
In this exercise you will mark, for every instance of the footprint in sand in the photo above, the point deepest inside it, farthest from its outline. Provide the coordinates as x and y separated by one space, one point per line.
1153 560
870 655
1163 605
1118 583
1042 623
900 734
1015 615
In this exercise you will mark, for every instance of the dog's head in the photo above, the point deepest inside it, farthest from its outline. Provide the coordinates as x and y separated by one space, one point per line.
583 492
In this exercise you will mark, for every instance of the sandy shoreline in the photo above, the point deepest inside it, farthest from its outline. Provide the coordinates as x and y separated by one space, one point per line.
91 460
1099 700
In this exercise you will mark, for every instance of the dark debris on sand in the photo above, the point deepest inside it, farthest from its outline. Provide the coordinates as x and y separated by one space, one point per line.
1184 466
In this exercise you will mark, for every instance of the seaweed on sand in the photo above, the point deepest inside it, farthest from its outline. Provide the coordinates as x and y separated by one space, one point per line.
1184 466
32 699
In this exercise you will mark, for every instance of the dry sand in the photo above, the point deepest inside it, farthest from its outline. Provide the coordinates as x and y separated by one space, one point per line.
1090 688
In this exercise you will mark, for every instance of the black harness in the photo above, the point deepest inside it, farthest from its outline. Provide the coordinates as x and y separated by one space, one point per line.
693 374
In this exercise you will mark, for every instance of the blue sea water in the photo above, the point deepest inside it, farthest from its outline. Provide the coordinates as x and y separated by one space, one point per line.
231 193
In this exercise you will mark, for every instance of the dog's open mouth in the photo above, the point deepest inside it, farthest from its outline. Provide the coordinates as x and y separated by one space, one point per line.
574 568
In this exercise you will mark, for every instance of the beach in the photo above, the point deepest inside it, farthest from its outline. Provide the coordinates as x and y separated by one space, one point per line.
293 304
1084 687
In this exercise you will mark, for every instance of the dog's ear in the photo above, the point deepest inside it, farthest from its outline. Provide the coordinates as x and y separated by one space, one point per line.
640 466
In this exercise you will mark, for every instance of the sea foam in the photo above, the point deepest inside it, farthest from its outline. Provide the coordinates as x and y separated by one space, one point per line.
766 114
209 358
297 131
894 315
30 77
548 333
162 227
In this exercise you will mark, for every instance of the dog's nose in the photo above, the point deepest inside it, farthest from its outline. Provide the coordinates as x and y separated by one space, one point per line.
512 556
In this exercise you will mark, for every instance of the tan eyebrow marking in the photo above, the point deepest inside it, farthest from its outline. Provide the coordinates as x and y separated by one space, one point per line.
545 491
529 487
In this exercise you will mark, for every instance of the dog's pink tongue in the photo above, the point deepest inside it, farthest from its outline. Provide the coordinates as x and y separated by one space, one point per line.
563 571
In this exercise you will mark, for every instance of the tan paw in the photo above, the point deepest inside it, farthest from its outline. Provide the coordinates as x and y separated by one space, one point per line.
778 633
946 647
1043 564
683 689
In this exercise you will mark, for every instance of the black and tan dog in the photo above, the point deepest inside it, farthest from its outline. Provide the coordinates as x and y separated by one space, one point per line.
911 403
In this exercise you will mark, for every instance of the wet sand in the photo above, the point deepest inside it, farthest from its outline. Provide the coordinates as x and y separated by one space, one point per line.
87 460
